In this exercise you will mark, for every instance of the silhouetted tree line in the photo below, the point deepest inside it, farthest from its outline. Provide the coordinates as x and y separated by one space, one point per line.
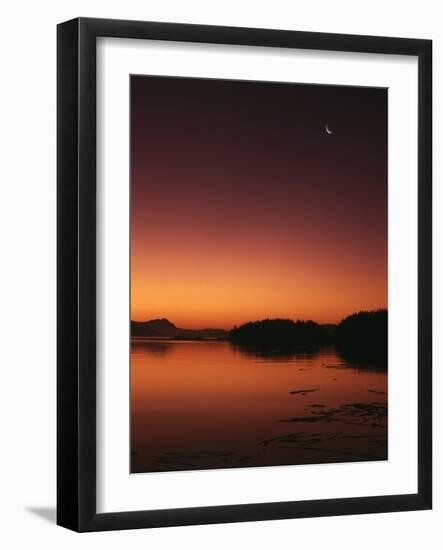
280 333
360 337
364 336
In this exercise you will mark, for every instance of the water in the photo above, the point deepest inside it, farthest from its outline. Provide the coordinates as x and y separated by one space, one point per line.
207 404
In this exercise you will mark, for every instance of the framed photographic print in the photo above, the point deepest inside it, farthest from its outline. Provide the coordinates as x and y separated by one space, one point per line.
244 274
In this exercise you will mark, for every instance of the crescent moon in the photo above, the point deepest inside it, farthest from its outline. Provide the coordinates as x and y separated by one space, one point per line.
328 131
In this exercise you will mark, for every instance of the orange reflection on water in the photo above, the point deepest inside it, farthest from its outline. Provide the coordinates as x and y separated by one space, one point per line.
206 404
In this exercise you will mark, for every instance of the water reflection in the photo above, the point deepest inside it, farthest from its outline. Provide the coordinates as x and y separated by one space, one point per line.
146 345
348 359
376 360
275 354
210 404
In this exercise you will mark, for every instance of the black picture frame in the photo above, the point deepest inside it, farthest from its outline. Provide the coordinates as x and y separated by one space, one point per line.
76 266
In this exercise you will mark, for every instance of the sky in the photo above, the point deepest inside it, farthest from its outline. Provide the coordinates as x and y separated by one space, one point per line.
243 207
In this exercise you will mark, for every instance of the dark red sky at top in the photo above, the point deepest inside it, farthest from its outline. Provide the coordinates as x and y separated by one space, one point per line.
243 207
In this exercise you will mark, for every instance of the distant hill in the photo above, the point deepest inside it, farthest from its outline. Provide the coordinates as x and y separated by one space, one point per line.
157 326
163 328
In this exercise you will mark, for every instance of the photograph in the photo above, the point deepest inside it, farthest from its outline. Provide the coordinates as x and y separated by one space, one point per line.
258 273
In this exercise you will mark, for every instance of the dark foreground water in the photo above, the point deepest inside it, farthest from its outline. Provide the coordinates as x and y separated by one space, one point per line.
207 404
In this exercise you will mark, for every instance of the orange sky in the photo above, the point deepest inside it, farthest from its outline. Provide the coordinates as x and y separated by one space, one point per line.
244 208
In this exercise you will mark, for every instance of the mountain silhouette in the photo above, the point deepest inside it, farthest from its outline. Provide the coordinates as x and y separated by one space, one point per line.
159 324
163 328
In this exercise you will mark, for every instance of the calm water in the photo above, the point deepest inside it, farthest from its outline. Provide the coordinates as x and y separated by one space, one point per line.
198 405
